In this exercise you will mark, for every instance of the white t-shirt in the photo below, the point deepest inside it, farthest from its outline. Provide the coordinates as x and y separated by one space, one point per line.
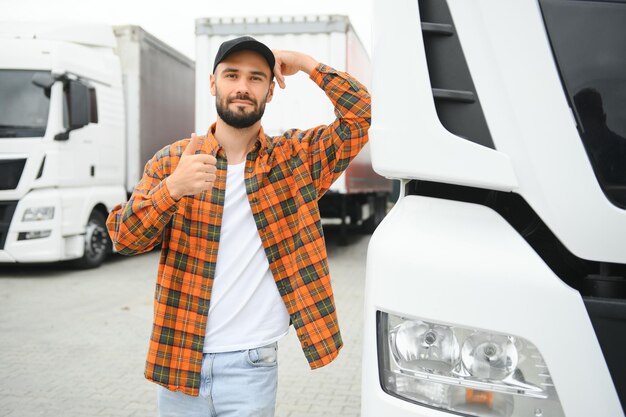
246 310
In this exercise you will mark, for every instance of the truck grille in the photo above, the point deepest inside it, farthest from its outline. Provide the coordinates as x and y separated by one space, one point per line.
7 208
456 101
10 173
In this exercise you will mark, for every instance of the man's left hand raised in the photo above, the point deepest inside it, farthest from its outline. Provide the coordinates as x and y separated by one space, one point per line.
290 62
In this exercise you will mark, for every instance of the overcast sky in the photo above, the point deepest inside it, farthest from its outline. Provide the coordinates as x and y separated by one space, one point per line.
173 21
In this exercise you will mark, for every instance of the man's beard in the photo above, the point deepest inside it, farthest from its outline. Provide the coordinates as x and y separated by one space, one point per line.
239 118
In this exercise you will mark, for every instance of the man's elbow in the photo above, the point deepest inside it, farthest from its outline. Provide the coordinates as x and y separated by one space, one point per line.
125 247
113 223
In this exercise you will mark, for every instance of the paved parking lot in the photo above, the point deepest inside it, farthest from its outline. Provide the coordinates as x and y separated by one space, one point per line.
73 343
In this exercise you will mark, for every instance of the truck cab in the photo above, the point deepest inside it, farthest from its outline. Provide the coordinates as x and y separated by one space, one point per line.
83 107
62 141
496 286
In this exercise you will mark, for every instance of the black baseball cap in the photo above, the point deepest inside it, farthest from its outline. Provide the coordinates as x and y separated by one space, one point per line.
241 44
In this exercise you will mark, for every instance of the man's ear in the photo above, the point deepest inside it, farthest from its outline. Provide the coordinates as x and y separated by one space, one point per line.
270 92
212 83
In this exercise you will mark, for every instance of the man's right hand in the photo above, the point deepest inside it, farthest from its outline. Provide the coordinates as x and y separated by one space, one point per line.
194 173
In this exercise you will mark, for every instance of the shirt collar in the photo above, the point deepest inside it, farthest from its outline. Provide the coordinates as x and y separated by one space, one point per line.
211 145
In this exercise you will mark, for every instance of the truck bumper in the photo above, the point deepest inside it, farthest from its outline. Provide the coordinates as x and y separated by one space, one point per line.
5 257
462 264
50 245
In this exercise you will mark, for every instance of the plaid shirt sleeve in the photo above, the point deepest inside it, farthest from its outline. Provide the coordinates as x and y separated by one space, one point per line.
329 149
137 226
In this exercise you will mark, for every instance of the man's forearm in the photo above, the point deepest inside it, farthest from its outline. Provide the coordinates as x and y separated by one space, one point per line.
308 64
349 97
136 226
331 148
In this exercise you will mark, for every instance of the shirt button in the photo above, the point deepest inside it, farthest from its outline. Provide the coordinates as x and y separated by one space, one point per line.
254 200
305 344
250 169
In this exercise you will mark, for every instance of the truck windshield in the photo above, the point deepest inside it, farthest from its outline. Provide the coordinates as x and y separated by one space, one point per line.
23 106
589 43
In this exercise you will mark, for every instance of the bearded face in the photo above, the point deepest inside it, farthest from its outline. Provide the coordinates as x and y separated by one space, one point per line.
242 85
239 110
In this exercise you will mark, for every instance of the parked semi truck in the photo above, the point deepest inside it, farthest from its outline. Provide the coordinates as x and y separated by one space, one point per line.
496 286
359 196
82 108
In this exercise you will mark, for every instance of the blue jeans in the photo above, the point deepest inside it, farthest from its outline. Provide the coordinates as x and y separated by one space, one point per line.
233 384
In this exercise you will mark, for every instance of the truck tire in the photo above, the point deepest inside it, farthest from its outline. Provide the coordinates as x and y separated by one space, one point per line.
97 242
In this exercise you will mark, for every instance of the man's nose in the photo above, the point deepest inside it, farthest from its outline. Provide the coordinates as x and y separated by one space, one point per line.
242 87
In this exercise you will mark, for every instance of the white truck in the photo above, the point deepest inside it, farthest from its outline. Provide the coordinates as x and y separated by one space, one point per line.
82 108
496 286
359 196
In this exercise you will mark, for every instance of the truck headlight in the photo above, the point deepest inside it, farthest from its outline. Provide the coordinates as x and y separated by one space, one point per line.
464 370
38 213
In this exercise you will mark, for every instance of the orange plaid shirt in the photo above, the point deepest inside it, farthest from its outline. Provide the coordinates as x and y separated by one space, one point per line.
284 176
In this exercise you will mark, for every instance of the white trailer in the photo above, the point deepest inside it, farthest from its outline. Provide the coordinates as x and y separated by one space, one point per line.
82 108
359 196
496 286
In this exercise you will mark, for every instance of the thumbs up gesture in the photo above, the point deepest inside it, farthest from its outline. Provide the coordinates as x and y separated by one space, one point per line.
194 173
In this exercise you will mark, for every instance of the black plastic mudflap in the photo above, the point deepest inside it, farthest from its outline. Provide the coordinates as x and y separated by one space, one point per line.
608 317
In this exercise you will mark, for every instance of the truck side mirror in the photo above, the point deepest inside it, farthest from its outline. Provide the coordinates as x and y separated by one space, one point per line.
93 106
79 105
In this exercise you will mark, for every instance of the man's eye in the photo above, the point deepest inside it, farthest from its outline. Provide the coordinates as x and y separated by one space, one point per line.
230 75
256 78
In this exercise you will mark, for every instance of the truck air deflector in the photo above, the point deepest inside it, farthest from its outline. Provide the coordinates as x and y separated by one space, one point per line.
40 172
416 133
456 100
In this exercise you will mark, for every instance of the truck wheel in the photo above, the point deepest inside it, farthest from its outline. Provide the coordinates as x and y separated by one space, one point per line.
97 242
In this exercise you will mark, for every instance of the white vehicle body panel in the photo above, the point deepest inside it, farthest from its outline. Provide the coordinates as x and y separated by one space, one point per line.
538 155
463 264
416 267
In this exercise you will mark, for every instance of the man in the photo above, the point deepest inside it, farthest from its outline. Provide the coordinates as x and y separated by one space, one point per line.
243 253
